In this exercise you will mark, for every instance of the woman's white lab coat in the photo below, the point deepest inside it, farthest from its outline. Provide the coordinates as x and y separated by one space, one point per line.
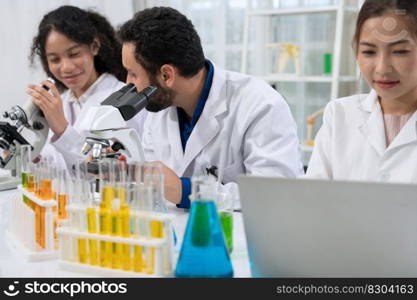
243 117
66 150
351 144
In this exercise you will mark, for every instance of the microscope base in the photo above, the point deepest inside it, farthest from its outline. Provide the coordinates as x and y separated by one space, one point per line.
8 182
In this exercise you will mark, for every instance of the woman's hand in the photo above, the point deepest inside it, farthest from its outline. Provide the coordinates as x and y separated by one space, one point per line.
51 105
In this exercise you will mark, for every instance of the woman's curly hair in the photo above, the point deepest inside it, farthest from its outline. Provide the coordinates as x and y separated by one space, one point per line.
82 27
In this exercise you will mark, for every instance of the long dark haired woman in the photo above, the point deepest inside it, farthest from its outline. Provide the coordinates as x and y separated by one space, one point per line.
80 51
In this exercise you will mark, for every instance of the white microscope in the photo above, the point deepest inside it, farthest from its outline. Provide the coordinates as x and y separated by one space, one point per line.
27 126
105 126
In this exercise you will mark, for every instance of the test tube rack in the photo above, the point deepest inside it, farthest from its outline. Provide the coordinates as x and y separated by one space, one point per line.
162 249
21 233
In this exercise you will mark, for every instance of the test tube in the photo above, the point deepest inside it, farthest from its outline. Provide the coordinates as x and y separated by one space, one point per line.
71 203
31 179
32 187
92 224
38 175
80 190
159 204
41 213
105 221
125 224
55 176
55 187
45 193
25 158
120 168
124 195
146 203
46 180
117 253
155 180
108 182
134 181
63 194
134 201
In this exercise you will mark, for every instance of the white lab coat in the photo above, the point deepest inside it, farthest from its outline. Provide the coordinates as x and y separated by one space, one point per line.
351 144
66 150
243 116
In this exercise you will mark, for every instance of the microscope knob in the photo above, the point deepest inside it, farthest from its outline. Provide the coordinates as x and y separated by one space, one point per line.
37 125
117 146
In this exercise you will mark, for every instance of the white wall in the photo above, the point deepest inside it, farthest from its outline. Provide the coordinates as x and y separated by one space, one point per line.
19 20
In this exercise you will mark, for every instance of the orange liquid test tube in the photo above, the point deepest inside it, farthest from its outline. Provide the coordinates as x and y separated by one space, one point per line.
62 204
42 227
46 189
37 210
31 183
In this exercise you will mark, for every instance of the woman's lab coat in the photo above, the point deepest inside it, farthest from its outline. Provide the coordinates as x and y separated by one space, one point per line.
244 118
66 150
351 144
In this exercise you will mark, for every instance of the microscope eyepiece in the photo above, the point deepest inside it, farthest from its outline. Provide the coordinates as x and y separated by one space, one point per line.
129 101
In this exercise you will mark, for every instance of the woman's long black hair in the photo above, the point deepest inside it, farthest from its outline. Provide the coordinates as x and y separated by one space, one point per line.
82 27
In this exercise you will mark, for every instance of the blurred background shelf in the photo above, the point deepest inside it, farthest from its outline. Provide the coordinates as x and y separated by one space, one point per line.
320 29
289 77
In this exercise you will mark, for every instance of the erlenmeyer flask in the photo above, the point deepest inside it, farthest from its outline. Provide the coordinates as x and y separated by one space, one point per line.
203 252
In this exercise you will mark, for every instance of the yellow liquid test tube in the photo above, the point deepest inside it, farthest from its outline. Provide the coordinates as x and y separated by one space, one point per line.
125 218
123 250
105 225
81 242
157 231
137 258
108 195
82 251
116 230
92 228
82 245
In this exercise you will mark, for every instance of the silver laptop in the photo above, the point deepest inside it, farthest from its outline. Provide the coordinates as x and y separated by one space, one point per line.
317 228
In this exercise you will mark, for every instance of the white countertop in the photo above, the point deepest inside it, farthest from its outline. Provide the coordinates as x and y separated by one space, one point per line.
14 265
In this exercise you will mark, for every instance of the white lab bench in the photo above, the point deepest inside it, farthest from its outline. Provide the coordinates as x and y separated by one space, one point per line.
14 265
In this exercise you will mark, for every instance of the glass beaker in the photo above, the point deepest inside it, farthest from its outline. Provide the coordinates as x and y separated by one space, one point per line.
203 251
225 205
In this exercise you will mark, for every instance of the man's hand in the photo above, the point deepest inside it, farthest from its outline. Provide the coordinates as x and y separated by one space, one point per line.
172 184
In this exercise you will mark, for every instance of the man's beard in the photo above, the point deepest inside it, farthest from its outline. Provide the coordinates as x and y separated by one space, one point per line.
162 99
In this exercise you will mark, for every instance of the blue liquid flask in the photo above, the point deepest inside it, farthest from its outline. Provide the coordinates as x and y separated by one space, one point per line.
203 252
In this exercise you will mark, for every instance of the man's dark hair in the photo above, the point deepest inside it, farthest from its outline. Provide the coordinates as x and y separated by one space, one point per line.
82 27
162 35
